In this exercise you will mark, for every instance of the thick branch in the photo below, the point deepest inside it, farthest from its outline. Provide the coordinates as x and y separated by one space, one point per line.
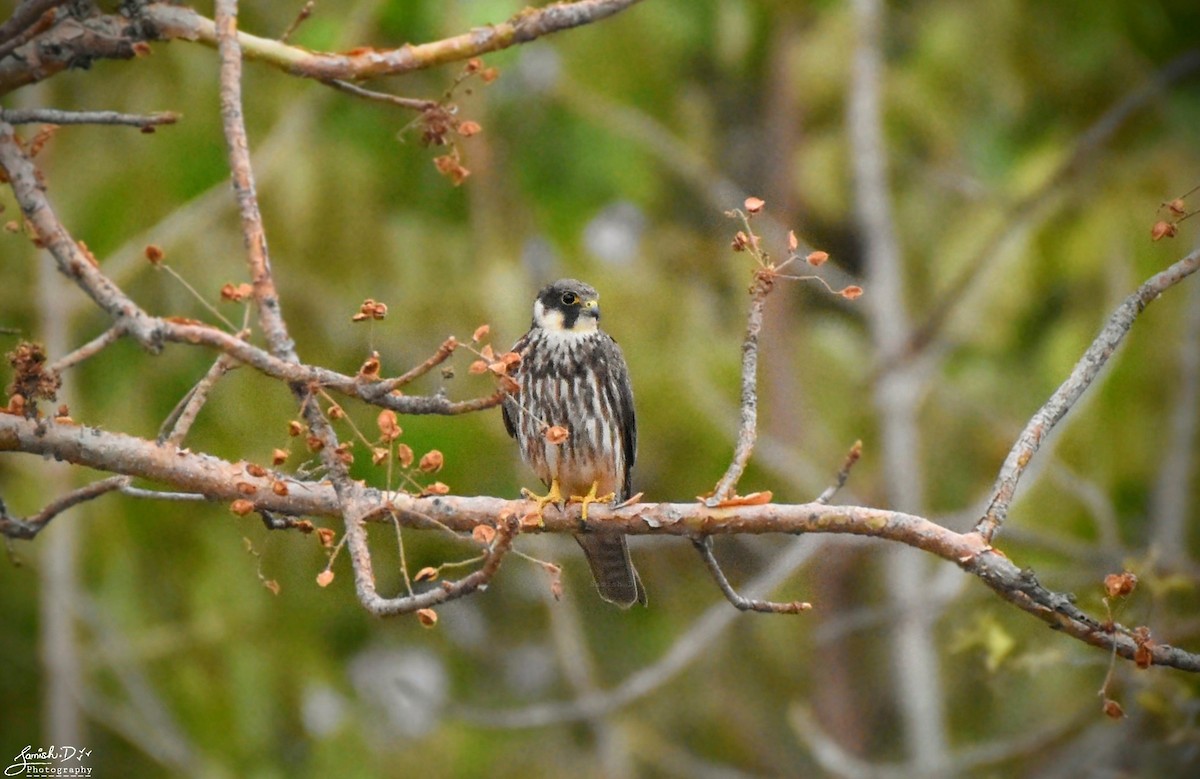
220 480
367 63
69 43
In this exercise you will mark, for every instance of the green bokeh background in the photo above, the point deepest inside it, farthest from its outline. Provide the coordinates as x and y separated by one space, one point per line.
642 128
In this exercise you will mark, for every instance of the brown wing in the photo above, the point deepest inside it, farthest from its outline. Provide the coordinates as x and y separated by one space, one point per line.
626 418
507 408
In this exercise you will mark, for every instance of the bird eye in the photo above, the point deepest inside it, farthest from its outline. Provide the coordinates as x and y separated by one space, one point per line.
570 298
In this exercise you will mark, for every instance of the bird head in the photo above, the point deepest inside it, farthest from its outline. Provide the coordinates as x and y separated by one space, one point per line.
567 306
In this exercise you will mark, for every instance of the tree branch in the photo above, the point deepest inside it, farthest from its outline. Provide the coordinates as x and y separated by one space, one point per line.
366 63
220 480
364 577
741 603
66 43
56 116
29 527
1069 392
727 486
152 332
74 263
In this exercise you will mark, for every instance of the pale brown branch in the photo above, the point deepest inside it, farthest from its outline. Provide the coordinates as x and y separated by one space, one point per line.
178 22
220 480
1069 392
270 317
727 486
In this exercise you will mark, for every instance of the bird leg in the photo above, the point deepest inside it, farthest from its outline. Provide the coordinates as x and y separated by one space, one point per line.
590 498
553 496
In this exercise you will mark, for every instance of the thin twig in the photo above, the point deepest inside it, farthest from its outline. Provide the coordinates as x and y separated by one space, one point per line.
727 486
412 103
56 116
300 19
181 497
29 527
843 474
437 358
704 547
1069 392
195 293
90 349
177 424
400 552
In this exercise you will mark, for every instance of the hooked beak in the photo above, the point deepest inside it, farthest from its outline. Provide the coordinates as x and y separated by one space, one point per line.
591 308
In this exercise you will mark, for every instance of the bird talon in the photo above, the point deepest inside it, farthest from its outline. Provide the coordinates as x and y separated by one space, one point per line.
590 498
553 496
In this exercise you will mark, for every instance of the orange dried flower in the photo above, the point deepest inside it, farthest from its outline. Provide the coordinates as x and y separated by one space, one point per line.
431 461
1162 230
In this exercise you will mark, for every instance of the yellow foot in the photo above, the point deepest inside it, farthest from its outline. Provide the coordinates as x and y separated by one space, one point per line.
590 498
553 496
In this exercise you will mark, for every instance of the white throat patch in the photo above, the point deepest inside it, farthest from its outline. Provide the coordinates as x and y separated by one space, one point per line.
551 321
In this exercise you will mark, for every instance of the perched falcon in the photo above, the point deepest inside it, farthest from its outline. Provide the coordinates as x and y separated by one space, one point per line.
573 375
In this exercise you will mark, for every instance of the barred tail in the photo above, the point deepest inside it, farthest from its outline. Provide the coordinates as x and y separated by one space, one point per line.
612 569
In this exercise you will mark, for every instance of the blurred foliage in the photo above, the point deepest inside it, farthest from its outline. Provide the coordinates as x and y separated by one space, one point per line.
601 151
